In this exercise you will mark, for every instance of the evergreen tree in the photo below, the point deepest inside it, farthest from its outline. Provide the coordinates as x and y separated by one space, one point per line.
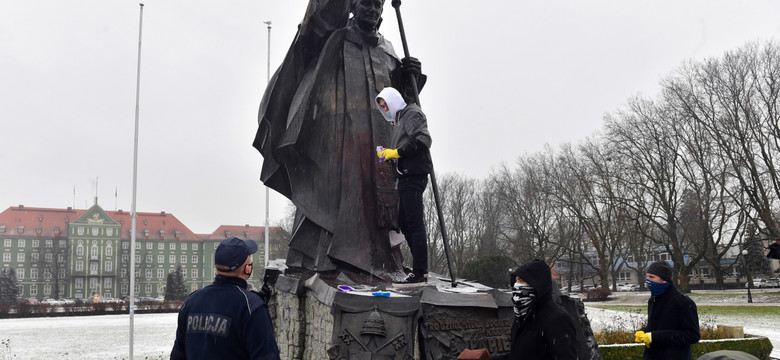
9 287
176 288
492 270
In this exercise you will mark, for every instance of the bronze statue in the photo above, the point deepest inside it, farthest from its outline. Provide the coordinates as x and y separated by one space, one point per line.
318 132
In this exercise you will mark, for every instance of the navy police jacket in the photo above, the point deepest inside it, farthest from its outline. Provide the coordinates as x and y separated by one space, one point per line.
225 321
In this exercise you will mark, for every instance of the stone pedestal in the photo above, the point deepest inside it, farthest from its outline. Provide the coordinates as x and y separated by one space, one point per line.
314 319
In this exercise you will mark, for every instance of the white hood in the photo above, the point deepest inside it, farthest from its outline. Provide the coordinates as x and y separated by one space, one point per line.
395 103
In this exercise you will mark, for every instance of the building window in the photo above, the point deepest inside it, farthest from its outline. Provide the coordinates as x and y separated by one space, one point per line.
79 250
20 273
184 259
109 250
93 268
6 257
184 246
160 273
148 258
137 288
79 266
20 229
79 284
172 246
194 273
33 273
60 258
160 259
34 257
149 246
137 245
36 243
61 274
148 273
148 289
93 283
38 230
49 243
94 252
124 289
2 228
162 234
124 258
46 290
47 257
194 259
125 245
109 231
161 246
63 243
22 243
137 275
47 275
137 259
172 259
146 232
20 257
107 283
33 290
123 273
194 246
624 276
109 266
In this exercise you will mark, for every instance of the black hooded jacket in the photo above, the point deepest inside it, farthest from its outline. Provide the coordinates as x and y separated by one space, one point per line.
673 322
548 331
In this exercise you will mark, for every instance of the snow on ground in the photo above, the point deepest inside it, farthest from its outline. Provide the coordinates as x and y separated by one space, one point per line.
106 336
88 337
768 326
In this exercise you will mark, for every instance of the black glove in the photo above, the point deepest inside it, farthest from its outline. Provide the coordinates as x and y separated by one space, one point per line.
412 65
265 293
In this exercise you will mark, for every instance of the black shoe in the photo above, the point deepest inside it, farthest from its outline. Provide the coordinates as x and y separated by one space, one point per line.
414 277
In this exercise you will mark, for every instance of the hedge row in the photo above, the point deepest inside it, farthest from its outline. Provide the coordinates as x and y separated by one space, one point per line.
757 346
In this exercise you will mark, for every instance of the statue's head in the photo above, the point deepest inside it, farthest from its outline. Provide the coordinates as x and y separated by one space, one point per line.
368 13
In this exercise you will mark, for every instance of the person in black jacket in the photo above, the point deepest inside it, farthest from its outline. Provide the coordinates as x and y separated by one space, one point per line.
672 318
542 329
411 161
225 320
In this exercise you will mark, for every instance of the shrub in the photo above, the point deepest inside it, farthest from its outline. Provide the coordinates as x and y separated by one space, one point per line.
759 347
598 294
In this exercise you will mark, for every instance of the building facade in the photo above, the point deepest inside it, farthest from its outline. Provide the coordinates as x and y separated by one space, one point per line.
82 253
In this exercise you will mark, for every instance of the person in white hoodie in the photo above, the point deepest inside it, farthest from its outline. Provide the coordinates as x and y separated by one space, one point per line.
409 155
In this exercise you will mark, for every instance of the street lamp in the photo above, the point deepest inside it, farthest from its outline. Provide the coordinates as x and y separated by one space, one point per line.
747 274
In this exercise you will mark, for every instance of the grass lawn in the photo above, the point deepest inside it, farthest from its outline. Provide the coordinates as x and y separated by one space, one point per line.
724 310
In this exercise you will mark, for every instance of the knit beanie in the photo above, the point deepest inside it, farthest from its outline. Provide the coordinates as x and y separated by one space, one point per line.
661 269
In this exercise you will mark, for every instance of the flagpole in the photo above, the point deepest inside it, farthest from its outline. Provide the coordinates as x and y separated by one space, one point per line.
267 192
135 182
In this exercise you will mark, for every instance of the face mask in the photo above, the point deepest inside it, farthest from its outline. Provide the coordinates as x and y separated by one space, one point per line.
523 298
656 288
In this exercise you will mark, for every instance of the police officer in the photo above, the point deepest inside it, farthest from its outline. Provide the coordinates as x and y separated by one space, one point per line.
225 320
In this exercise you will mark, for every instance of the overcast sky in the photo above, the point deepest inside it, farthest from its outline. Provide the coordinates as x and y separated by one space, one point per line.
505 77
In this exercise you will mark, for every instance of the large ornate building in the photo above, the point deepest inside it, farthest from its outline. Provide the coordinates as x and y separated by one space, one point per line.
80 253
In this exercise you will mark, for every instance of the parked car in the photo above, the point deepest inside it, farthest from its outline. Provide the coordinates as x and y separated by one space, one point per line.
628 287
30 301
764 283
51 302
574 288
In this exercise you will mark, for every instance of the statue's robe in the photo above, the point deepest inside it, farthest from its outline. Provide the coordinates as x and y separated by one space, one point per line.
319 129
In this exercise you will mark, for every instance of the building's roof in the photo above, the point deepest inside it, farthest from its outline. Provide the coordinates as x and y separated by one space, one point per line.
28 220
246 232
154 222
49 219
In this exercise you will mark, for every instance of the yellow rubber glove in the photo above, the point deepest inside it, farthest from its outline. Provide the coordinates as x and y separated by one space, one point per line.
646 338
638 336
389 154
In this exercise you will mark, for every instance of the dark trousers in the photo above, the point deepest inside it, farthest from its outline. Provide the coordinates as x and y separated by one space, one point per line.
410 218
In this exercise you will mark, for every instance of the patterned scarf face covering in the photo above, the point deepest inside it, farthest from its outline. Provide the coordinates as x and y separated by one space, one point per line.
523 297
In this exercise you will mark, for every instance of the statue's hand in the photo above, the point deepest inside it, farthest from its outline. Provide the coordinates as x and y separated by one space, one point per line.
412 65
